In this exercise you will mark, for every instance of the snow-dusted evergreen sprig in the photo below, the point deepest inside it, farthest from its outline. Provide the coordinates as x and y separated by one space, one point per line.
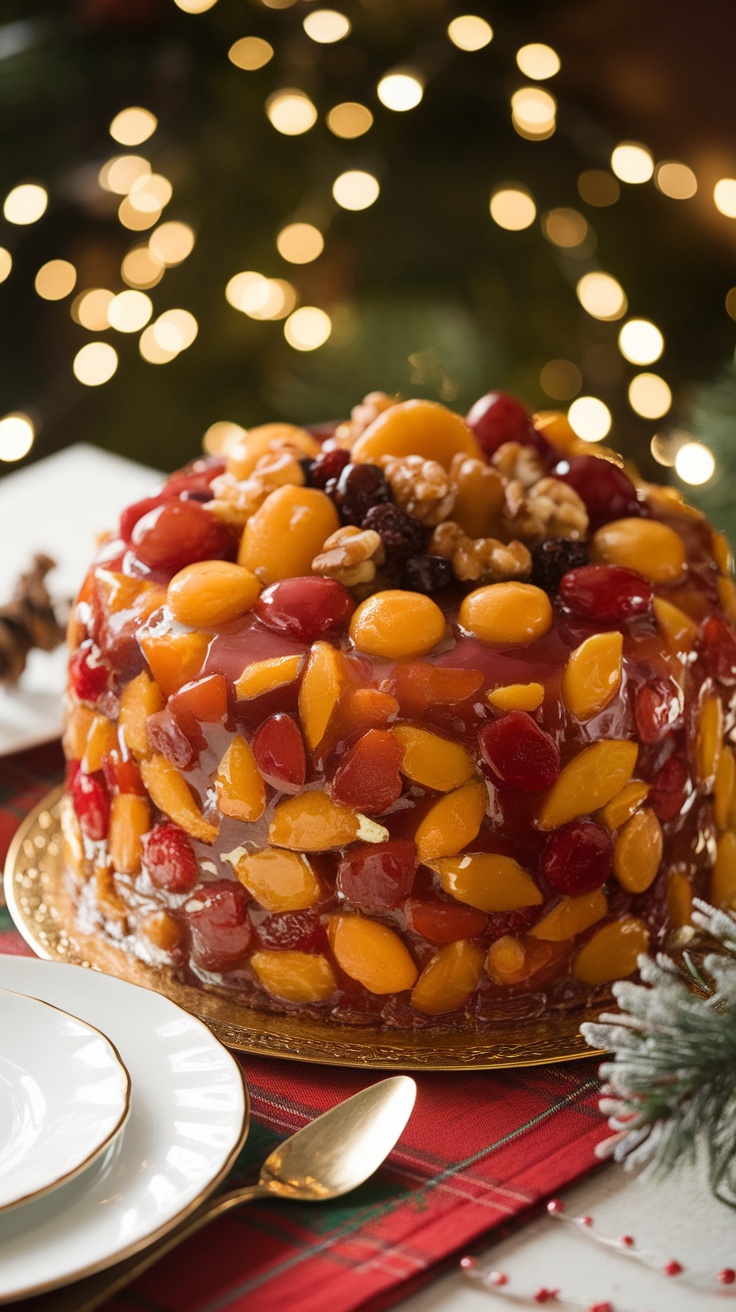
670 1091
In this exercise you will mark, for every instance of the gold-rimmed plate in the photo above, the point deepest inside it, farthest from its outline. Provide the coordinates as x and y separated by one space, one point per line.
37 894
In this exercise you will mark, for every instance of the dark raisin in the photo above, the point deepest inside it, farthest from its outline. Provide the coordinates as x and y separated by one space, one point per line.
401 535
327 465
552 559
357 489
426 573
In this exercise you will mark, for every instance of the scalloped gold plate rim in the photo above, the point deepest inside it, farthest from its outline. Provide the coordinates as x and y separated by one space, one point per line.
41 906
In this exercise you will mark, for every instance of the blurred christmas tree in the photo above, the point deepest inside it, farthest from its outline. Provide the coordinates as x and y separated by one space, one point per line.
231 212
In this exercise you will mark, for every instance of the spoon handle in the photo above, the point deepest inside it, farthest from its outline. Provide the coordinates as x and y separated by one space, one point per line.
91 1292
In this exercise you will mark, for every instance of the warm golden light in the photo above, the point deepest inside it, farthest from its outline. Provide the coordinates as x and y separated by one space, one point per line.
150 194
632 162
140 268
250 53
533 112
95 363
602 296
730 301
195 6
150 349
171 242
640 341
120 172
561 379
400 91
538 61
564 227
596 187
279 300
469 32
137 220
291 112
6 263
90 309
349 119
128 312
132 126
175 330
589 418
25 204
220 437
326 26
724 195
247 291
355 190
55 280
675 180
664 447
513 208
649 396
300 243
307 328
16 436
694 463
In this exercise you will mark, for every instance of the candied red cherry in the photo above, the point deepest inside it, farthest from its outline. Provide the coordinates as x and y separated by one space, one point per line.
607 491
219 923
374 876
606 592
166 736
91 804
132 514
577 858
122 776
552 559
305 608
497 418
357 489
670 788
657 708
278 748
299 930
519 753
510 922
88 672
197 478
326 466
718 650
203 701
177 533
368 778
401 535
443 922
169 858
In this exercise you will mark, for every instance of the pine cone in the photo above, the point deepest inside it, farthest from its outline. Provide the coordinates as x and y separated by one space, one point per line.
28 621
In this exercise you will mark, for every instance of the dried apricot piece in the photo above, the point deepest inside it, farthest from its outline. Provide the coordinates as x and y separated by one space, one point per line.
723 878
589 781
722 554
279 880
264 676
397 624
679 899
513 960
76 731
364 708
371 953
174 658
416 428
322 686
623 806
448 979
312 822
645 545
727 597
243 455
638 851
241 792
172 795
710 739
163 930
294 976
284 535
612 952
592 675
488 881
516 697
130 819
506 613
419 685
724 790
141 699
211 592
570 916
432 761
102 739
676 627
452 823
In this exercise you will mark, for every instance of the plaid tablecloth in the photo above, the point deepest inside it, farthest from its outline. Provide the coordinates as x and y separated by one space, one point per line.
480 1150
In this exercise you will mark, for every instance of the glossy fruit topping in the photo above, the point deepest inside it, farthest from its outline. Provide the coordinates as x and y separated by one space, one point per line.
497 418
577 858
278 748
130 819
176 534
416 428
287 531
278 880
657 708
305 608
449 979
358 488
374 877
671 786
488 881
326 466
136 511
518 753
506 614
203 701
218 919
169 858
646 545
554 558
211 592
612 952
589 781
718 650
431 760
444 922
419 685
166 736
397 624
401 535
293 929
368 778
452 822
241 792
592 675
88 672
92 805
607 491
606 593
121 775
294 976
371 953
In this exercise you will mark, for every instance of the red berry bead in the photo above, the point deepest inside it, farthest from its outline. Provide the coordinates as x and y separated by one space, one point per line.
88 673
657 709
92 805
577 858
305 608
301 931
718 650
368 778
219 923
606 592
727 1276
176 534
497 418
169 858
166 736
607 491
519 753
444 922
375 876
327 465
278 748
555 1206
673 1268
601 1307
628 1241
670 788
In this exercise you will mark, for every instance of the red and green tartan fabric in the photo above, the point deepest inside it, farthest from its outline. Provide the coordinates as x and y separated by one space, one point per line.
481 1149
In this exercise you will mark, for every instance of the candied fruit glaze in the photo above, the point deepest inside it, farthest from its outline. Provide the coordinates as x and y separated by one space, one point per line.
335 798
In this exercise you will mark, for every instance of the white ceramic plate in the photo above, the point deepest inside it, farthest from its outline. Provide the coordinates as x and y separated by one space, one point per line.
187 1122
64 1095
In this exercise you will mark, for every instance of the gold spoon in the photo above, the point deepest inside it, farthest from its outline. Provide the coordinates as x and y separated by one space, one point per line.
329 1157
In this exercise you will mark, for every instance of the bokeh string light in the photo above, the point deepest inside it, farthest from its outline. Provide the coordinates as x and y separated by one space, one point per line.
17 433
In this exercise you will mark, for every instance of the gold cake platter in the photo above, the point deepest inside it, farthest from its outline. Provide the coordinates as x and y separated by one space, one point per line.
37 893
